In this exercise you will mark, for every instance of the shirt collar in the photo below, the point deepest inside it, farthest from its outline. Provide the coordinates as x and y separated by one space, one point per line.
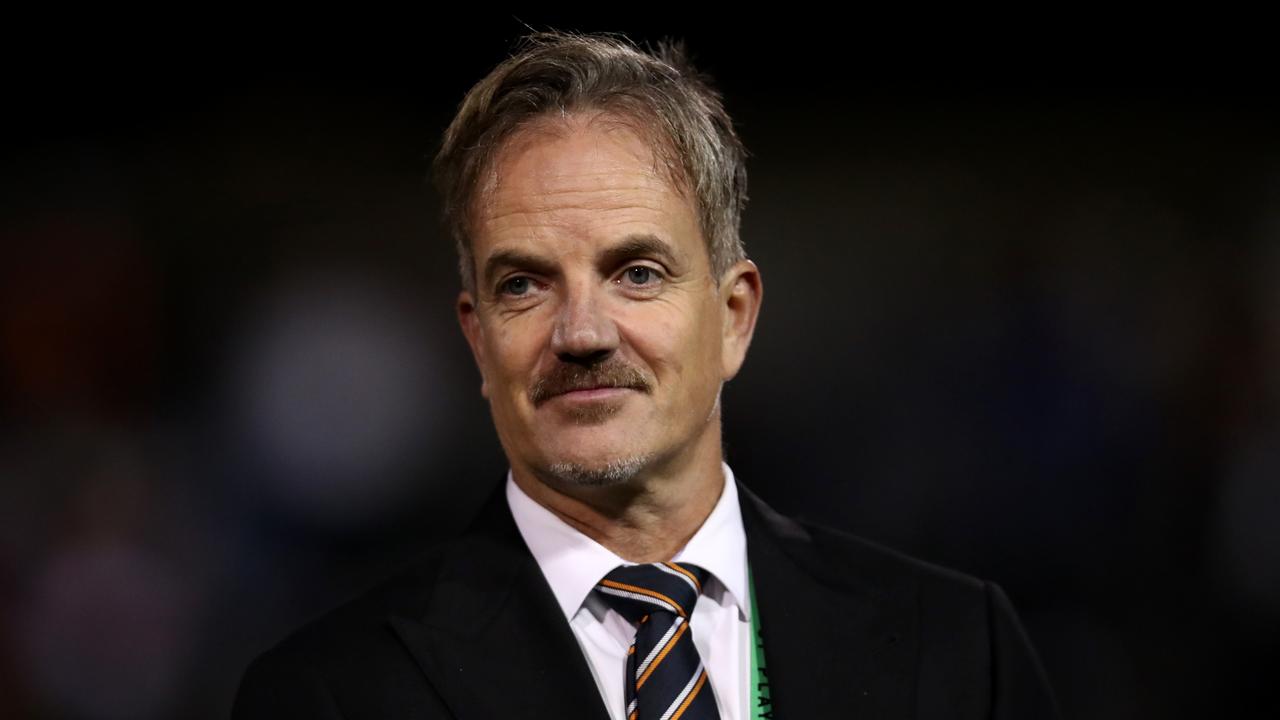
573 563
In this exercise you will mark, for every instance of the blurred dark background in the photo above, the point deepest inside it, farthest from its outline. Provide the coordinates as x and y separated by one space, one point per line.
1022 318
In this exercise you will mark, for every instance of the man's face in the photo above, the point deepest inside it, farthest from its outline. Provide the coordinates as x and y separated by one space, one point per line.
601 336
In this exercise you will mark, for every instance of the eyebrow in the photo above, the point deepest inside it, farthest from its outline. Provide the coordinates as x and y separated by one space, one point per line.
630 247
633 246
516 259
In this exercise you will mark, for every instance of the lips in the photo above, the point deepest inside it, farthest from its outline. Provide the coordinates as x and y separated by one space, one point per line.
592 392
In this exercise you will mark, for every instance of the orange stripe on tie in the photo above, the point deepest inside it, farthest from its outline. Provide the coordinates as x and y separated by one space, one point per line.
689 700
658 660
687 574
644 591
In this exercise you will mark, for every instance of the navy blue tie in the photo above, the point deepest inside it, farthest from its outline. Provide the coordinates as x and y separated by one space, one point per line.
665 678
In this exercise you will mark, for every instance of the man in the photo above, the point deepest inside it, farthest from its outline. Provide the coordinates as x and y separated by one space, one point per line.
621 572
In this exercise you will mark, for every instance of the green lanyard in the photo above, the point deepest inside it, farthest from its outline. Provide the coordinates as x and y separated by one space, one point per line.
761 705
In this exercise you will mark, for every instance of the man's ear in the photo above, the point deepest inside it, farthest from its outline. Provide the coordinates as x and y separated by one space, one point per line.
471 329
741 292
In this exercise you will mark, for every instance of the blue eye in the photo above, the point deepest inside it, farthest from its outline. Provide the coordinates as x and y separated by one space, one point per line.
640 275
515 286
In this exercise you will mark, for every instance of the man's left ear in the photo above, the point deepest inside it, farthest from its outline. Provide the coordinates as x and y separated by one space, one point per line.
741 291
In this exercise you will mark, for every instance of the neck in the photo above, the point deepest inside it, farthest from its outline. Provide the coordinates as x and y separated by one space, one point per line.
647 519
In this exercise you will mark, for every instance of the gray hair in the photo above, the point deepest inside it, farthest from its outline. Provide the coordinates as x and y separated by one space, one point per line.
555 74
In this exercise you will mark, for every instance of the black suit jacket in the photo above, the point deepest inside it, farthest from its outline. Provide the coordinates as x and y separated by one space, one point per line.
473 631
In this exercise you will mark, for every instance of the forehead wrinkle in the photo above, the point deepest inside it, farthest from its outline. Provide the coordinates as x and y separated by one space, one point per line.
599 192
654 148
537 135
601 184
572 202
616 178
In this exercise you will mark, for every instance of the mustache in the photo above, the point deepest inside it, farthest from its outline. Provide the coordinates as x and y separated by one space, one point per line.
566 377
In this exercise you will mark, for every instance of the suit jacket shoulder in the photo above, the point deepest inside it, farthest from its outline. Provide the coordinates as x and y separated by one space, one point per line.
910 639
349 662
471 630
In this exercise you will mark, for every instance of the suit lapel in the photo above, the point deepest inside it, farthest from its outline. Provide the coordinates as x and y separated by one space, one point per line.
492 639
494 643
834 645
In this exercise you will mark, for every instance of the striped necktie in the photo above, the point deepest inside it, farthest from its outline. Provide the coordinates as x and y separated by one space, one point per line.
665 678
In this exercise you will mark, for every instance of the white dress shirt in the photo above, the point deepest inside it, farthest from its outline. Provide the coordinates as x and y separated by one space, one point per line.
721 624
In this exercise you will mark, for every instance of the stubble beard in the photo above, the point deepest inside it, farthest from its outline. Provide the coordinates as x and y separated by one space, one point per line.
565 377
612 473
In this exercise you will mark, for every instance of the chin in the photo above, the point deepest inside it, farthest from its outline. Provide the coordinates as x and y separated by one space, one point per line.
608 473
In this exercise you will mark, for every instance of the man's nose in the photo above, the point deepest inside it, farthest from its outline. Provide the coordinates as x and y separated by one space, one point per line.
584 332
